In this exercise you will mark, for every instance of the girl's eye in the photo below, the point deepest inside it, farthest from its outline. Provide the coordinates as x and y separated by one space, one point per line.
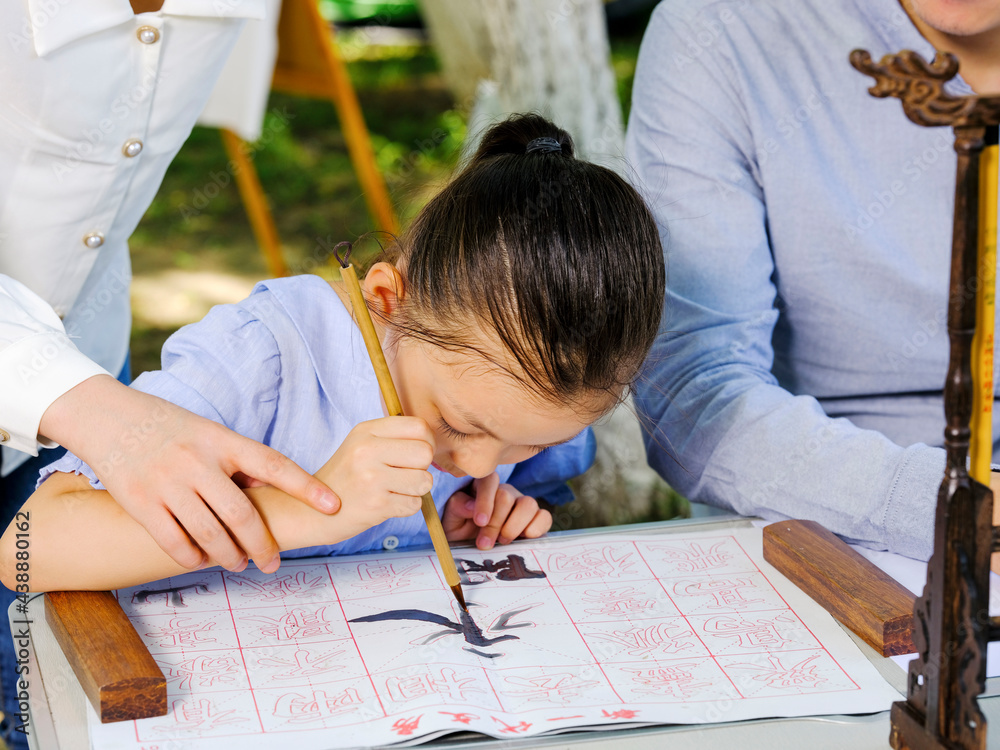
451 431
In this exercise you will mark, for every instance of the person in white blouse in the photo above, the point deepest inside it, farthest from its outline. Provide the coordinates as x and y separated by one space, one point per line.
98 96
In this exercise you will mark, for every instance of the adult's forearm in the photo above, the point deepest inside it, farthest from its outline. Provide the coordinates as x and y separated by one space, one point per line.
728 438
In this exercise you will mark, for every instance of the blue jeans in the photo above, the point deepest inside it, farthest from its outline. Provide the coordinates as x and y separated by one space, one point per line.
15 488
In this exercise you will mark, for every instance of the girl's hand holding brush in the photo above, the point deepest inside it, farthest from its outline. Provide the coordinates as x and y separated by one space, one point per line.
380 470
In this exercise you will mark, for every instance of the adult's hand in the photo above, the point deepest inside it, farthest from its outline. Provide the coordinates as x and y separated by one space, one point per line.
179 474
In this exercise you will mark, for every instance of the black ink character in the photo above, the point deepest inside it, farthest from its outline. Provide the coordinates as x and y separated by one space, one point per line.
468 628
510 568
174 595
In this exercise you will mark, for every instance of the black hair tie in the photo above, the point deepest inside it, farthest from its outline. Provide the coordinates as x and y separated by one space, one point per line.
543 145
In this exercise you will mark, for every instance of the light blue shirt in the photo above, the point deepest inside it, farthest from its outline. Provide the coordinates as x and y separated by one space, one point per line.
288 367
808 231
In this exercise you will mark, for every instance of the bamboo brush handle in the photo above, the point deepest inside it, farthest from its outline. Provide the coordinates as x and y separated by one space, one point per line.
396 410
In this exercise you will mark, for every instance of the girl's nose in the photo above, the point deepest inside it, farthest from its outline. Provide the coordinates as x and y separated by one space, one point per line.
477 462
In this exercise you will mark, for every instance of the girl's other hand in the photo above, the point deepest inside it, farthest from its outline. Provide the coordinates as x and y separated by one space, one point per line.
497 514
380 470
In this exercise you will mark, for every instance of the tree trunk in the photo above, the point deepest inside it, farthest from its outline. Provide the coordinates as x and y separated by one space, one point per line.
552 57
545 56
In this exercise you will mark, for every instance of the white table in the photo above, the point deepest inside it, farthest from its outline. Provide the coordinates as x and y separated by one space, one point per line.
59 706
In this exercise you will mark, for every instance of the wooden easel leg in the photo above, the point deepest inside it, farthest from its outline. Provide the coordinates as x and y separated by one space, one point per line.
359 145
255 202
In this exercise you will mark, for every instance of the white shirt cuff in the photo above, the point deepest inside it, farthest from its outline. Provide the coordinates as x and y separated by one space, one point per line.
34 372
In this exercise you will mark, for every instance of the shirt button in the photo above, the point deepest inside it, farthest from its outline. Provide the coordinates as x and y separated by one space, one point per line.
132 147
390 542
4 436
148 34
93 240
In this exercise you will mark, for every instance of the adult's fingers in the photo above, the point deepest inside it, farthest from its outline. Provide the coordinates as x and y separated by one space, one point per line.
168 534
207 531
230 506
271 467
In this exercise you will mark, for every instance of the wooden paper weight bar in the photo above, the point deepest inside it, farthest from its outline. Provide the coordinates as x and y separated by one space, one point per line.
863 598
112 664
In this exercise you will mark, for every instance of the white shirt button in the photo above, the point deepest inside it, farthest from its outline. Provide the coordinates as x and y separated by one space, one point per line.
390 542
148 34
132 147
93 240
4 436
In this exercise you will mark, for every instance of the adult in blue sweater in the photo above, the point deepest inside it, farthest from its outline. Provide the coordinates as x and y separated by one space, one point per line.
804 347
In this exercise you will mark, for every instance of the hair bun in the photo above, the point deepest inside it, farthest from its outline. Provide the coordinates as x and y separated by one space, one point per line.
521 135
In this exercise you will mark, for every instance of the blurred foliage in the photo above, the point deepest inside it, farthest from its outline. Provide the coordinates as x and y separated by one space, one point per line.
197 221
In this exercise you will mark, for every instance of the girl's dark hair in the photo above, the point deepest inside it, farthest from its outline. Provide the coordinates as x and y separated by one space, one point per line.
559 257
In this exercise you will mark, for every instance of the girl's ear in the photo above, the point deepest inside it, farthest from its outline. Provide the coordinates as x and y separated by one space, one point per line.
384 288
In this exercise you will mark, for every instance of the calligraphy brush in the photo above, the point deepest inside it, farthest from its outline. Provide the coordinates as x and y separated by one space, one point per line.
347 273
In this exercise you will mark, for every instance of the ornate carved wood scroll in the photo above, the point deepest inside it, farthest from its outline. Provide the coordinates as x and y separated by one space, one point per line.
952 624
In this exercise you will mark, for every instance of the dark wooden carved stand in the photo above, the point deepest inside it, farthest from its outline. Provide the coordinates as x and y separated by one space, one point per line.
952 625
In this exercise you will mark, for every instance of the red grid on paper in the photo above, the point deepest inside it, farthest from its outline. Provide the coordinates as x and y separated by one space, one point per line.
616 624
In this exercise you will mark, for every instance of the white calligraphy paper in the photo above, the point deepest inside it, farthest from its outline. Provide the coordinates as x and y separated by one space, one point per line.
596 630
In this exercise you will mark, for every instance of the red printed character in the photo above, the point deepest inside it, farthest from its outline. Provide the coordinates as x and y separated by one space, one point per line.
461 718
695 558
591 563
445 683
405 727
675 681
623 602
204 671
776 675
668 638
762 632
296 623
303 663
622 713
512 728
726 593
178 635
557 688
279 587
201 716
301 709
384 578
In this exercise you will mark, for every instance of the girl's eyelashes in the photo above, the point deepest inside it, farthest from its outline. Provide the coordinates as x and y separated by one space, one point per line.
451 431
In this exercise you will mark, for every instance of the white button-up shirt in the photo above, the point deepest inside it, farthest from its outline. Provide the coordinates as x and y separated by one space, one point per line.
94 106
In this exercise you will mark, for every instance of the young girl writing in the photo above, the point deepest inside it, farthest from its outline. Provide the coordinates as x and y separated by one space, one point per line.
514 312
